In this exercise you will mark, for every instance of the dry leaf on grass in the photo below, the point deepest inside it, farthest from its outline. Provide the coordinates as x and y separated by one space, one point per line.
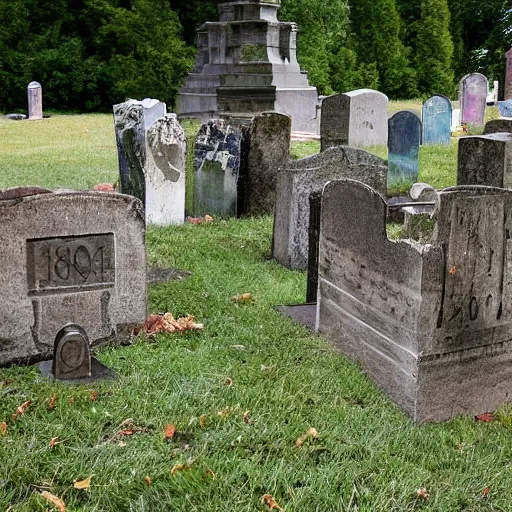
148 480
52 403
20 411
247 419
310 434
208 219
170 430
179 467
422 493
270 502
82 484
487 417
211 474
486 492
54 441
156 324
104 187
56 502
244 298
93 396
3 428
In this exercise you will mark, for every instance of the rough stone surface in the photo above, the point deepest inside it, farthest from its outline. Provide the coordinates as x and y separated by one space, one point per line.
71 354
16 117
151 150
485 160
505 108
473 99
423 192
299 179
431 324
247 64
508 76
437 120
69 257
497 126
357 118
403 150
35 101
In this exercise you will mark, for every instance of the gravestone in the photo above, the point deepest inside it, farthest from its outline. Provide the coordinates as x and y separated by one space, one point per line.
236 165
71 354
151 151
246 64
301 178
356 118
508 76
455 119
498 125
473 99
403 150
69 257
430 323
505 108
485 160
35 101
436 120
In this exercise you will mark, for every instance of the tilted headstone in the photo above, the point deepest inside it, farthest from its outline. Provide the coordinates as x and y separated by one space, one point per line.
508 76
151 151
236 165
505 108
473 99
497 126
436 120
35 101
299 179
485 160
403 150
431 324
357 118
69 257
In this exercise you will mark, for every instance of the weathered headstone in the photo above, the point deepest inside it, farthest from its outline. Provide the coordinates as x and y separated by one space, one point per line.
455 119
151 151
356 118
69 257
236 165
508 76
485 160
71 354
299 179
16 117
497 126
436 120
473 99
35 101
505 108
431 324
403 150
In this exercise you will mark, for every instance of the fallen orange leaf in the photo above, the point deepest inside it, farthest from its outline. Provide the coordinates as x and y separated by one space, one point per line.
94 396
3 428
82 484
20 411
156 324
486 492
195 220
126 432
103 187
57 502
53 441
208 219
310 434
170 430
53 403
148 480
422 493
270 502
244 298
487 417
179 467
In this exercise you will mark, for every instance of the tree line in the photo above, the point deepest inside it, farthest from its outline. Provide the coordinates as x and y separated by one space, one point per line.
90 54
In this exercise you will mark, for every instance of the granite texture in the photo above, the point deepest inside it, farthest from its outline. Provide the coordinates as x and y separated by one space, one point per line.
498 126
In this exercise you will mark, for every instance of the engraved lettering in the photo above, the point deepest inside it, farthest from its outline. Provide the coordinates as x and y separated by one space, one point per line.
473 309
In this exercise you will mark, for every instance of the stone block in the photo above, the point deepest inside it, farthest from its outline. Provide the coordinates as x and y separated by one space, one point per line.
498 126
473 99
357 118
35 101
69 257
437 120
430 323
485 160
299 179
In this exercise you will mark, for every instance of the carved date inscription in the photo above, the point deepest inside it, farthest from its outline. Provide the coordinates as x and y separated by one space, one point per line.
81 262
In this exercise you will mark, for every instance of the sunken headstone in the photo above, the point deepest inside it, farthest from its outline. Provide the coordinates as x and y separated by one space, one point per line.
505 108
485 160
497 126
357 118
236 165
508 76
473 99
431 324
301 178
35 101
403 151
69 257
151 151
436 120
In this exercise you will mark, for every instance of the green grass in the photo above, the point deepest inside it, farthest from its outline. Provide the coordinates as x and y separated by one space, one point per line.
368 457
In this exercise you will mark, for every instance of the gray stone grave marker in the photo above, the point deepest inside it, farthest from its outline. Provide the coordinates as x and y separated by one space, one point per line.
508 75
356 118
299 179
436 120
403 150
69 257
71 355
497 126
473 99
35 101
485 160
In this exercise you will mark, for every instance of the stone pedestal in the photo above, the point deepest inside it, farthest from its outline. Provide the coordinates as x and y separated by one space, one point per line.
247 64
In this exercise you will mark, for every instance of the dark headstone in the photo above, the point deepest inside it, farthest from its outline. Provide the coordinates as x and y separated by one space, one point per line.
473 99
403 150
315 208
71 354
436 120
498 126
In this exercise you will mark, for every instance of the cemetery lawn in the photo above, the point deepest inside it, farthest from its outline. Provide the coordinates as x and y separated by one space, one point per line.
240 392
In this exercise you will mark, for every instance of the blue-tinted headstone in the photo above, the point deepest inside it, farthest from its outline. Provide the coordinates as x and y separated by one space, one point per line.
403 151
437 118
505 108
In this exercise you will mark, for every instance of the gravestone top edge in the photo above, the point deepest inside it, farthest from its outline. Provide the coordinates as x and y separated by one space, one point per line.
360 92
34 85
474 189
473 74
499 136
509 53
401 113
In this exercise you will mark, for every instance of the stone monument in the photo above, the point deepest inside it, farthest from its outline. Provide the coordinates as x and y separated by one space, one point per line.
436 120
35 101
246 64
508 76
473 98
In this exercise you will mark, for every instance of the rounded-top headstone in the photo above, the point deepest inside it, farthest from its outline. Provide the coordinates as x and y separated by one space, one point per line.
35 101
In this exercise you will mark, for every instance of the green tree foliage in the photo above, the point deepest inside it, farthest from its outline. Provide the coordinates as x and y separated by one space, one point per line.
434 49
